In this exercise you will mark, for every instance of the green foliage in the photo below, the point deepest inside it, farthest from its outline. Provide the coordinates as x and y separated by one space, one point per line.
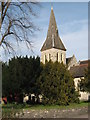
27 75
84 84
19 76
57 85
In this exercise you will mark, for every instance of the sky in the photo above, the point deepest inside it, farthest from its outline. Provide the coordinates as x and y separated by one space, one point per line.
72 23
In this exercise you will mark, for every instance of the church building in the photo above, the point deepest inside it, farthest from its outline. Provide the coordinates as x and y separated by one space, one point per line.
53 49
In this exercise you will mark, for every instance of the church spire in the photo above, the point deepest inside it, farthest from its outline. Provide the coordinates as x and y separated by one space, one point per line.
51 7
52 40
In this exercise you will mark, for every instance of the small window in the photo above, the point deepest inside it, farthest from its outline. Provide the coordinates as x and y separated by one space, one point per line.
45 58
49 56
57 56
61 57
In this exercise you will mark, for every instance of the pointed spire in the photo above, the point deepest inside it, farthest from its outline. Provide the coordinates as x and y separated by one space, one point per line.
52 22
54 41
51 7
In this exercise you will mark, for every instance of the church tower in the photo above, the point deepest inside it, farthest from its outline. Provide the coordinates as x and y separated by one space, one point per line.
53 48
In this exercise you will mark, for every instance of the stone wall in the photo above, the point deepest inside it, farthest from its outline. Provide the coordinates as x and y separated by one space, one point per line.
84 96
52 54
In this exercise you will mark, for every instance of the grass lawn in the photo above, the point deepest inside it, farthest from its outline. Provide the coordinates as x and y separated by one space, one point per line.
11 109
26 106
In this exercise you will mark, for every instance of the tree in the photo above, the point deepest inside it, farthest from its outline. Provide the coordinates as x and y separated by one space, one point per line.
5 77
11 80
57 85
19 76
84 84
16 23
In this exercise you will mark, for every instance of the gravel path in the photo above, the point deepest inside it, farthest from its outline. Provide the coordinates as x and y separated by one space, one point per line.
56 113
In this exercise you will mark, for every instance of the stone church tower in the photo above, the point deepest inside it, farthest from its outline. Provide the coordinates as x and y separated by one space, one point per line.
53 48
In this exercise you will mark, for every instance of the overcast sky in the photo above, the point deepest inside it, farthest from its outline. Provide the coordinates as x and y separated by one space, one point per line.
72 23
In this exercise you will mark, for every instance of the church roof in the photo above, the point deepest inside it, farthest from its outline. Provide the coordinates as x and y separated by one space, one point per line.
84 62
78 71
53 40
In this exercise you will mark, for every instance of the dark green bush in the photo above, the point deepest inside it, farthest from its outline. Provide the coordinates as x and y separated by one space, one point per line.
57 85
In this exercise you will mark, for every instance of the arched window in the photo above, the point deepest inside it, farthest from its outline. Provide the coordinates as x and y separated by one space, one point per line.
49 57
61 57
45 58
57 56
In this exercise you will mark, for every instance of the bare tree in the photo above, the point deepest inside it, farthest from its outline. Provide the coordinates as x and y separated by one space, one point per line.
16 23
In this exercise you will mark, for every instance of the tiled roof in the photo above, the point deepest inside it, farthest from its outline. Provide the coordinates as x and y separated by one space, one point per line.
84 62
78 71
53 40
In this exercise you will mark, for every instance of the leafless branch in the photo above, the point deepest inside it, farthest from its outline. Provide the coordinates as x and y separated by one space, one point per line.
16 21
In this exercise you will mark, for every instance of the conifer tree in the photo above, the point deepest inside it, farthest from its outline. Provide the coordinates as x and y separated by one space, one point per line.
57 85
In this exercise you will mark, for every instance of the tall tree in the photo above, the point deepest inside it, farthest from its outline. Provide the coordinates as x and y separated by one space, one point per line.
16 23
5 79
56 85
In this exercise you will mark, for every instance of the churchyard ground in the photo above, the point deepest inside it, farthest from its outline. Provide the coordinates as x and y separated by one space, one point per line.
40 111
